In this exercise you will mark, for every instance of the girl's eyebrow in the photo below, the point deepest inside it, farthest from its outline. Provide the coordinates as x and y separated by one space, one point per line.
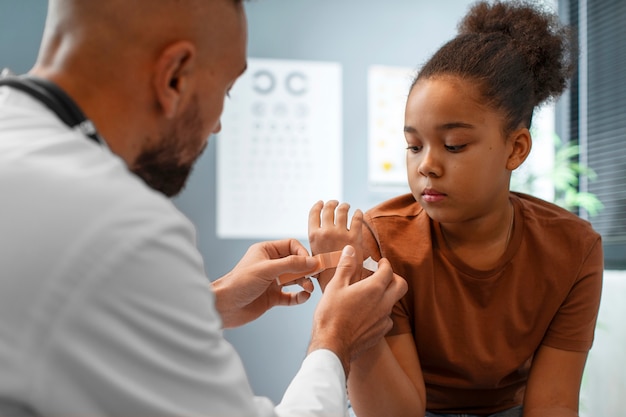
456 125
445 126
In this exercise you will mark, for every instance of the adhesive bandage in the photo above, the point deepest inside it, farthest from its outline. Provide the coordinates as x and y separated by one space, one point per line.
326 260
370 264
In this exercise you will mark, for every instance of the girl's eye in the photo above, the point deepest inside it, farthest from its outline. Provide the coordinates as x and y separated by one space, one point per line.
414 149
455 148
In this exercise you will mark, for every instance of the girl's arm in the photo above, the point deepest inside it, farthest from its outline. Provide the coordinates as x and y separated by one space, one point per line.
553 385
387 380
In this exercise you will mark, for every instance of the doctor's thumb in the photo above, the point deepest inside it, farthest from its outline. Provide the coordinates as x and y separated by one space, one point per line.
346 268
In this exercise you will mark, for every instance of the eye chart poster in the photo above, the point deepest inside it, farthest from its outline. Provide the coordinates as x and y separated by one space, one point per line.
280 148
388 89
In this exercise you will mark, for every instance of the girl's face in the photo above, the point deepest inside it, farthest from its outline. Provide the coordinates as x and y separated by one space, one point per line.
457 156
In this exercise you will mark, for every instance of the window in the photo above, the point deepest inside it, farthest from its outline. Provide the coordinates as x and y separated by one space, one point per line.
595 114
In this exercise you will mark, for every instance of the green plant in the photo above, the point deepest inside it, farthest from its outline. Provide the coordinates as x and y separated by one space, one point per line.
564 177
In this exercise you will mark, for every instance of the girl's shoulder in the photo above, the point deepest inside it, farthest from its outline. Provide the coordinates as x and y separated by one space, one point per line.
545 217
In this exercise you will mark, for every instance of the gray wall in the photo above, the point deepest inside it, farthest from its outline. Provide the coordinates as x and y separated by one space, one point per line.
356 33
21 26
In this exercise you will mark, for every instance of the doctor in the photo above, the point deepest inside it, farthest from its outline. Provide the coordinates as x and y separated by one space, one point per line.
105 307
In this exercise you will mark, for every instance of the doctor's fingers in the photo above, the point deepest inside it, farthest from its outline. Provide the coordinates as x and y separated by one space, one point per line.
386 286
276 249
347 268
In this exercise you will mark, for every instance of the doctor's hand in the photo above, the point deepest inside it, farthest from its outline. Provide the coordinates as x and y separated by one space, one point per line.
352 317
329 231
250 289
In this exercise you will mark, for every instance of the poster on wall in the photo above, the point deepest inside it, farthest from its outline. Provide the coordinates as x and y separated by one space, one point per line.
280 148
388 88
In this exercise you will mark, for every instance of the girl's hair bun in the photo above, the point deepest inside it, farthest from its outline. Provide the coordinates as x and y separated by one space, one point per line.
535 31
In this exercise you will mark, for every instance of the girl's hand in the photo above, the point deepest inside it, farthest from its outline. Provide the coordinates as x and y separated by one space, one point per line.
329 231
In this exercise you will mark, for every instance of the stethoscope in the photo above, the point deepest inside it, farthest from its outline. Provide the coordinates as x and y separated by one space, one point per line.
53 97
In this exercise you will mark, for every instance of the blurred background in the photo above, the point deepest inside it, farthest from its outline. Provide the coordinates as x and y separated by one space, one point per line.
331 77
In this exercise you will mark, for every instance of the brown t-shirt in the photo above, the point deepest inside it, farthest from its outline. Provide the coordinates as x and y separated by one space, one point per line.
476 331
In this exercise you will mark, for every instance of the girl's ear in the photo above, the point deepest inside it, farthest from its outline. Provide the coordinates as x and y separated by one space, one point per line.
173 71
521 143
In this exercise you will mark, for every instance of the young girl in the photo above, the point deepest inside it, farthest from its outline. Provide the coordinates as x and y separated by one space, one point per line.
504 288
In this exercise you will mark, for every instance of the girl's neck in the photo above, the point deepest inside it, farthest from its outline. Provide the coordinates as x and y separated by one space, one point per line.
482 246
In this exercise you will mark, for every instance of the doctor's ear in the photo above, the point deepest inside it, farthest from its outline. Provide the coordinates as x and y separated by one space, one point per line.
172 76
521 143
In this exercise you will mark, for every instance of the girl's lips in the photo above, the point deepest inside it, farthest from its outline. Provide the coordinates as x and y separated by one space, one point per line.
432 196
